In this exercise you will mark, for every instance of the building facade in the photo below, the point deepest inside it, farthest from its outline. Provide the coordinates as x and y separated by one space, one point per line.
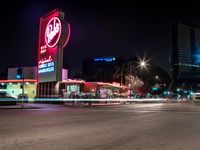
24 82
185 63
20 82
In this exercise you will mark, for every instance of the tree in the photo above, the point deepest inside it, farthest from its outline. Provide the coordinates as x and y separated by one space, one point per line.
134 83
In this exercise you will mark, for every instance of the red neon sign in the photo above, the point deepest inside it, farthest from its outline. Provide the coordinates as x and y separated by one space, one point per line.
68 36
53 32
45 60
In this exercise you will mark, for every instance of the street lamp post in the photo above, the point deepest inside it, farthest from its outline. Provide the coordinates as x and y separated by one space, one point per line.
22 103
143 64
156 77
129 85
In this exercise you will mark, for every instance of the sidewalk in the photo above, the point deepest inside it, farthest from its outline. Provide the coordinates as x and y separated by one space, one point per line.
19 106
92 104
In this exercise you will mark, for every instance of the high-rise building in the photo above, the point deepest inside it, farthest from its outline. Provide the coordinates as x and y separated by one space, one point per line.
185 63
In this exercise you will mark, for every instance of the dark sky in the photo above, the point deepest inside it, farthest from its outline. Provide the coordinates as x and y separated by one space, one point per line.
99 28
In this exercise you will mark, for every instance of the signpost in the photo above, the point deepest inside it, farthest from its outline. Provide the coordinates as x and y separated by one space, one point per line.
54 33
20 75
22 102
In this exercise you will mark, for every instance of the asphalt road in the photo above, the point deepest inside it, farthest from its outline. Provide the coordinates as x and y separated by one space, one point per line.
153 126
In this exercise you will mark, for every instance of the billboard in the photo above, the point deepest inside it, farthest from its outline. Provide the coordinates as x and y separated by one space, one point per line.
54 33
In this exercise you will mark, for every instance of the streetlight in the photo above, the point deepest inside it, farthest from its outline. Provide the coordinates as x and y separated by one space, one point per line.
143 63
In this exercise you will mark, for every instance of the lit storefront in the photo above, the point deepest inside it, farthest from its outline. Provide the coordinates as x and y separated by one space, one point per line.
71 88
67 88
20 81
14 88
104 89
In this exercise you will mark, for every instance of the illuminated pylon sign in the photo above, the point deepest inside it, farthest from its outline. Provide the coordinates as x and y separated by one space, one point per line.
53 32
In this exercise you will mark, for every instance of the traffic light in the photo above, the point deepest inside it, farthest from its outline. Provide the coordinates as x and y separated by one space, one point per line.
19 74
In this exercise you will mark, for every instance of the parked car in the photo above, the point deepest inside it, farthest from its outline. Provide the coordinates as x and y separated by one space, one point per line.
23 97
7 100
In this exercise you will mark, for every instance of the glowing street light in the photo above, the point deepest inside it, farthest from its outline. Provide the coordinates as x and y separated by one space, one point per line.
143 63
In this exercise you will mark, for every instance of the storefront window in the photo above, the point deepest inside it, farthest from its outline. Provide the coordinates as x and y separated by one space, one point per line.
73 88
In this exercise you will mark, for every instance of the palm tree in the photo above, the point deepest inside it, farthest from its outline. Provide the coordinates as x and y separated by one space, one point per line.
133 82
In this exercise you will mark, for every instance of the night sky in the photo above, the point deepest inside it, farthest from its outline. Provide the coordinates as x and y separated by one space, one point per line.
99 28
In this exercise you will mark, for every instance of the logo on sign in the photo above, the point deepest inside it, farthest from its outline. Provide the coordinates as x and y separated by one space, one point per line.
53 32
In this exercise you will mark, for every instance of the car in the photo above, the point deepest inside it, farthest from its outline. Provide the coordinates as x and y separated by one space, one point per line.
23 97
7 100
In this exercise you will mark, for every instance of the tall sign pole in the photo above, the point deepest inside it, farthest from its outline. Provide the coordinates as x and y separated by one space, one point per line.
54 33
22 103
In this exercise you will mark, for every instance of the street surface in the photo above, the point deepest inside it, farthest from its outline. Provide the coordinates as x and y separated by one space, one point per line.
146 126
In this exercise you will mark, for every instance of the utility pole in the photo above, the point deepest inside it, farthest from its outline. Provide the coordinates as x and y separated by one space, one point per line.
121 73
131 81
22 101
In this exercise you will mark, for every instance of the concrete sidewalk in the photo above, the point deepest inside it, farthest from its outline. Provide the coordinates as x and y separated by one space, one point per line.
25 106
92 104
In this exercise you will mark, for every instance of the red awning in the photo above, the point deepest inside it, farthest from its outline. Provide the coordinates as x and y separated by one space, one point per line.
18 81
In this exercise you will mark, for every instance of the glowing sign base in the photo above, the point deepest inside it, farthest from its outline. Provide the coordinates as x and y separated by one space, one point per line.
47 67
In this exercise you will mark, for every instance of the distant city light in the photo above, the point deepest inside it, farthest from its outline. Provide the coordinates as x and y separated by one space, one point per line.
106 59
154 88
